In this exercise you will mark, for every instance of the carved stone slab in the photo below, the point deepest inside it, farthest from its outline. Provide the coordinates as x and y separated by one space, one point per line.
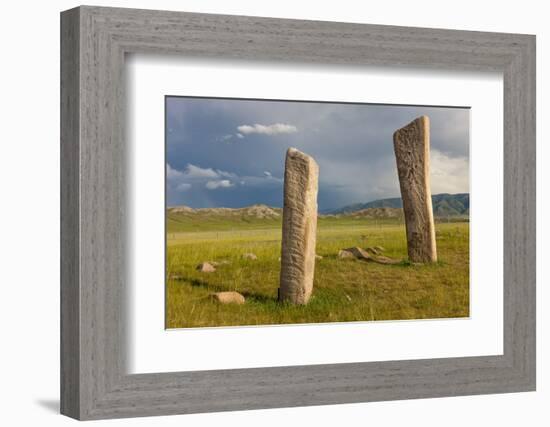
299 227
412 153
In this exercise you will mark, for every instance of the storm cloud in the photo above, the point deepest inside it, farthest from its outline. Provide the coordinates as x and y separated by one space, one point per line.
227 152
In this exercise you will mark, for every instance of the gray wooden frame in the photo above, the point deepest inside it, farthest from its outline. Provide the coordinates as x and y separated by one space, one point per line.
94 382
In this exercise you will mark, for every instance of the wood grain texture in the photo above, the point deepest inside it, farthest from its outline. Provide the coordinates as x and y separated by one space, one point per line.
94 379
70 220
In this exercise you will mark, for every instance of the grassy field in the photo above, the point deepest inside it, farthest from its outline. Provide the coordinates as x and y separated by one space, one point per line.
344 289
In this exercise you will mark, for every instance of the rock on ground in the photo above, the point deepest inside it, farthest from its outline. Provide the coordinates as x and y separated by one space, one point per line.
229 297
362 254
358 253
250 256
206 267
343 254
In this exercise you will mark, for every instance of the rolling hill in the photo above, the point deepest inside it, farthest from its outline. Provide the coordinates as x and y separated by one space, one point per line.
184 218
443 205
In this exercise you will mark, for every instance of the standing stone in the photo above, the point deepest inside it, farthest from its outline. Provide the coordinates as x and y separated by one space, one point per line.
299 227
412 152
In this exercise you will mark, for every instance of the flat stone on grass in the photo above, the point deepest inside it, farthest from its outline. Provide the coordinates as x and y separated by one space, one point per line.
228 297
358 253
343 254
206 267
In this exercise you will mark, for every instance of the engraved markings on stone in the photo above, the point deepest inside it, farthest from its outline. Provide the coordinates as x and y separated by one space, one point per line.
299 227
412 153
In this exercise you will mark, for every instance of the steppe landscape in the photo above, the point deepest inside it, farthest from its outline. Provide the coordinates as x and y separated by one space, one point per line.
346 288
301 212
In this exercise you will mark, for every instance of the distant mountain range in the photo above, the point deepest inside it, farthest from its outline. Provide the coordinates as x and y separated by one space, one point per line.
443 205
253 211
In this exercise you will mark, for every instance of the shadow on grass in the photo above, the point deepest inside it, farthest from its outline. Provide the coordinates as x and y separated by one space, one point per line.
199 283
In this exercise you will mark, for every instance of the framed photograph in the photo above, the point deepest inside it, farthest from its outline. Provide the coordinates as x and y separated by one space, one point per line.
262 213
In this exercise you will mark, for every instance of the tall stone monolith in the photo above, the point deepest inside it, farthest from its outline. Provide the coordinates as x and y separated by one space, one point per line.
299 227
412 153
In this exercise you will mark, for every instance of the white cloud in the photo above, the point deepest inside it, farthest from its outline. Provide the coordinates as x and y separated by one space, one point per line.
222 183
172 173
265 181
182 181
274 129
449 174
194 176
225 174
240 136
176 179
193 171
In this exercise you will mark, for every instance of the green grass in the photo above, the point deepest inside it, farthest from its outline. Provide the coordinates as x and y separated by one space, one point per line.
344 290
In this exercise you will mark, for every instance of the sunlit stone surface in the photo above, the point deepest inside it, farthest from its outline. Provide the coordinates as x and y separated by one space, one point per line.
412 152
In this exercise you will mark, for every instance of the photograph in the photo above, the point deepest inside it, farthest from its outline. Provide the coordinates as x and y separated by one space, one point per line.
299 212
327 213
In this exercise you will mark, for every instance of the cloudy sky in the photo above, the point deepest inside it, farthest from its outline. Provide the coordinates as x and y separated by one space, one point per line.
230 153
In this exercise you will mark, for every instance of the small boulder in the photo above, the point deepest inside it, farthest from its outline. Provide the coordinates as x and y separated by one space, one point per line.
343 254
250 256
206 267
229 297
366 255
359 253
318 257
